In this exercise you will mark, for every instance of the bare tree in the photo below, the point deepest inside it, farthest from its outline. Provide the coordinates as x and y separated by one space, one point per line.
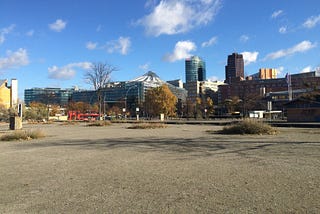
98 76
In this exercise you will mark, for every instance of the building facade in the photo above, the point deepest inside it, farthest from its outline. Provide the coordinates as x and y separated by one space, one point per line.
267 73
234 68
9 94
256 92
128 94
195 69
49 96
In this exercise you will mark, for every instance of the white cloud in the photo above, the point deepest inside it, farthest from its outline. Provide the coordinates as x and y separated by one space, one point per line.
244 38
181 51
298 48
312 21
280 70
4 32
14 59
121 45
91 45
145 67
249 57
213 78
277 13
283 30
211 41
178 16
67 72
306 69
58 25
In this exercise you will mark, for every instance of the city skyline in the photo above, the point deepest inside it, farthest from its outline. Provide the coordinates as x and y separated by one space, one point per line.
52 43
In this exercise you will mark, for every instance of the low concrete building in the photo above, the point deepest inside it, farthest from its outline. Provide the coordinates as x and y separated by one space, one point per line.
303 110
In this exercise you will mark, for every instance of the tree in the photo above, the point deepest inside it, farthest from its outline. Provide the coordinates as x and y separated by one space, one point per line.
36 111
160 100
98 76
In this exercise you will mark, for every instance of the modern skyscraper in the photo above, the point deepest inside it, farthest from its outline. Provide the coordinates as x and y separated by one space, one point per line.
234 67
195 69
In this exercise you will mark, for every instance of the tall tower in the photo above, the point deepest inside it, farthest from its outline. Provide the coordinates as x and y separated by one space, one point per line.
234 67
195 69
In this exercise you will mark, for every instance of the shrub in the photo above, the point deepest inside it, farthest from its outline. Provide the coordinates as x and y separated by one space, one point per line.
148 126
23 135
249 127
100 123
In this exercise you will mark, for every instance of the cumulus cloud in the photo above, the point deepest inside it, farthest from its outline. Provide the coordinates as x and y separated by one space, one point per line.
14 59
121 45
298 48
210 42
68 71
178 16
91 45
58 25
249 57
306 69
181 51
277 13
4 32
312 21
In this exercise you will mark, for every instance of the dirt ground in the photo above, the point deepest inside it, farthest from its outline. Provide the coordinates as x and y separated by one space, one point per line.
178 169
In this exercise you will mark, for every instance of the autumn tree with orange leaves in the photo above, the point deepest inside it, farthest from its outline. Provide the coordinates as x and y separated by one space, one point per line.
160 100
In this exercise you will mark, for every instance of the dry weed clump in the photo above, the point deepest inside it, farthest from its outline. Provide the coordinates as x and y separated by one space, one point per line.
249 126
148 126
22 135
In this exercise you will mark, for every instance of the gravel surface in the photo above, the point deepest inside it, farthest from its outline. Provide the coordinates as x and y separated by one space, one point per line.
178 169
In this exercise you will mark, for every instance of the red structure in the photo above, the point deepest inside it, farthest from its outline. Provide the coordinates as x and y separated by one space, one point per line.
77 115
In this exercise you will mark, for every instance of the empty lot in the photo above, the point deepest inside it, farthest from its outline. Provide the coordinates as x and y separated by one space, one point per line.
178 169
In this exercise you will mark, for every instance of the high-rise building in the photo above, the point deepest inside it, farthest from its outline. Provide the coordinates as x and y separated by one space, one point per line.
234 67
195 69
268 73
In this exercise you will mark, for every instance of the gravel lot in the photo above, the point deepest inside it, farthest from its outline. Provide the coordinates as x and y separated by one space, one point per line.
178 169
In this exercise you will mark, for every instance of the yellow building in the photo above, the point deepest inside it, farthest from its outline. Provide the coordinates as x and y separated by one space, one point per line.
267 73
9 94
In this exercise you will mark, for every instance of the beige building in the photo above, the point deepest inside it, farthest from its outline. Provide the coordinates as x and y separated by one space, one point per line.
9 94
267 73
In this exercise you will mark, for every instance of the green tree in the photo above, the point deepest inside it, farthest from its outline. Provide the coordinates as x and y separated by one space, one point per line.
160 100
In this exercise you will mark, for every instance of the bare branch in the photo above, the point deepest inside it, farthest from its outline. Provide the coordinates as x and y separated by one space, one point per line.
99 74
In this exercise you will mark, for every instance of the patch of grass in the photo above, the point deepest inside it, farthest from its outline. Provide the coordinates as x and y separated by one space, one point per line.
148 126
100 123
22 135
248 126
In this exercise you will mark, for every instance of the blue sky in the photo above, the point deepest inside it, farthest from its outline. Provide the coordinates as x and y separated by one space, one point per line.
51 43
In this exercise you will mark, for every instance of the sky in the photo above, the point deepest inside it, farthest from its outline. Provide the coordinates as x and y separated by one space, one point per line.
52 43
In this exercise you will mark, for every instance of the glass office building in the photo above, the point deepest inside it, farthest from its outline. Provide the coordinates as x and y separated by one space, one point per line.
195 69
49 96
